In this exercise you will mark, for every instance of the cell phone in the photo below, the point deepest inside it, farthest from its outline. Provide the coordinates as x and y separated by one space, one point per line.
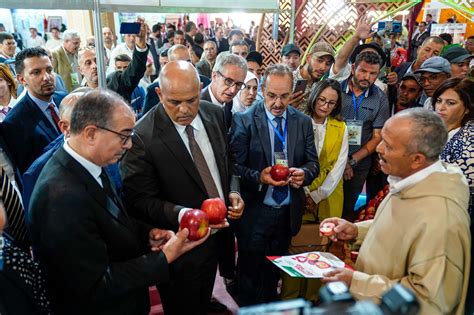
130 28
300 85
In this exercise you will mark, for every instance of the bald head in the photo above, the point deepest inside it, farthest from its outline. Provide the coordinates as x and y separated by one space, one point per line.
179 91
66 107
179 52
179 75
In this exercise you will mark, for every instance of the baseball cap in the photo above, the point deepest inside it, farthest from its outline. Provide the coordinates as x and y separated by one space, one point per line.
289 48
372 45
455 54
255 56
321 49
435 64
412 76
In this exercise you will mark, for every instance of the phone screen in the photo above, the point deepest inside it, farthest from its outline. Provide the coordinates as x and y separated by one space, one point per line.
130 28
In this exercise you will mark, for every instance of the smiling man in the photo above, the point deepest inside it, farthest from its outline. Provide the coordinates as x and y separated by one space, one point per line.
228 77
420 235
33 122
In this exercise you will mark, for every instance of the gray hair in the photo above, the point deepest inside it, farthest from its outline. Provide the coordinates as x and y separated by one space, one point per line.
211 42
226 58
277 69
429 134
95 108
70 35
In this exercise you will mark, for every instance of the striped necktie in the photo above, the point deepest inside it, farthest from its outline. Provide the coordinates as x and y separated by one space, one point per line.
16 227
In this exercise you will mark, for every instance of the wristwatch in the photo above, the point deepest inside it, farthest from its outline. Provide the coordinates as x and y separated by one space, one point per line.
352 162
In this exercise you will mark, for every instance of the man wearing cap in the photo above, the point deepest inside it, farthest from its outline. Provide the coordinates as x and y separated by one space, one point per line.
459 59
290 56
318 63
341 69
205 65
433 71
408 93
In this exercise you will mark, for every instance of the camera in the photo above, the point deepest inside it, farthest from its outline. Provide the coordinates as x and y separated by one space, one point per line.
336 299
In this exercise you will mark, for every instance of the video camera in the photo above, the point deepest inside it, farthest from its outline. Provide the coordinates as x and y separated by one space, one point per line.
389 27
336 299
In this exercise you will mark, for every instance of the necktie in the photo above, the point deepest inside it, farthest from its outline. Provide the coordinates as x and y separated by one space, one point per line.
14 210
55 116
279 193
201 164
5 110
109 190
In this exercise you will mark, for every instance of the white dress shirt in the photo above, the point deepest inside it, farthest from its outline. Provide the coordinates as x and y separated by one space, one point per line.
397 184
214 99
94 169
7 108
335 175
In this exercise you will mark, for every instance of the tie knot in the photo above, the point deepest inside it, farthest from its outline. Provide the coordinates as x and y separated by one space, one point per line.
278 120
51 106
190 131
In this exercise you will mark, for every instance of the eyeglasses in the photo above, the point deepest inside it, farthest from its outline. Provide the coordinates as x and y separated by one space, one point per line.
324 101
272 97
122 136
230 83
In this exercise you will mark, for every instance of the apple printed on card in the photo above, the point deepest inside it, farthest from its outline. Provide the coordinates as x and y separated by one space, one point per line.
307 265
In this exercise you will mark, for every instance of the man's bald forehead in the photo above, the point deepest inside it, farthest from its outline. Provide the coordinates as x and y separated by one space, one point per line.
88 53
176 73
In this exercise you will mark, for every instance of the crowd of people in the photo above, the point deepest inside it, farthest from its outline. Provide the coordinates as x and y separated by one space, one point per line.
95 181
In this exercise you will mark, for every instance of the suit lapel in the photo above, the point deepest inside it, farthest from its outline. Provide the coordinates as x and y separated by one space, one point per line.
291 136
172 140
262 130
205 95
93 187
218 146
40 117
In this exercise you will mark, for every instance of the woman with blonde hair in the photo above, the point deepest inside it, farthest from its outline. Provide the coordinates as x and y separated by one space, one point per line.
8 87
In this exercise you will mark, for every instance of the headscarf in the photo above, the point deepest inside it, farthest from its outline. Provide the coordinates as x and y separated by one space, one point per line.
238 106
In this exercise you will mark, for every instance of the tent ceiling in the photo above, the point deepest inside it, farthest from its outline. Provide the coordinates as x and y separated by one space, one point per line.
161 6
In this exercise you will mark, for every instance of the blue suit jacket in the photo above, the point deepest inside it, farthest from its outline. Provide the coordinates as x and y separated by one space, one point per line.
251 149
27 131
152 98
30 177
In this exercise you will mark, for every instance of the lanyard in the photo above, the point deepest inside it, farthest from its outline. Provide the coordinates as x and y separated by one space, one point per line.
279 135
356 102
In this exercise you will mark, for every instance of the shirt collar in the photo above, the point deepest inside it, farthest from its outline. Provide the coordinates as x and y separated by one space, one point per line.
94 169
43 105
213 98
347 89
397 184
196 124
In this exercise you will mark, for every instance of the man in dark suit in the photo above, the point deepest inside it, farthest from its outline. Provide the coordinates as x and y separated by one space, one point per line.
178 160
270 132
97 259
221 41
32 123
227 80
176 52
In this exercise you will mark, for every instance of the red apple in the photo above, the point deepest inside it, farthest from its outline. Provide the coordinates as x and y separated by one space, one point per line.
327 229
279 172
216 210
197 222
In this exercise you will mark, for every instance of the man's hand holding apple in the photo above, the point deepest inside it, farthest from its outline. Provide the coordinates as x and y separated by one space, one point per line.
343 230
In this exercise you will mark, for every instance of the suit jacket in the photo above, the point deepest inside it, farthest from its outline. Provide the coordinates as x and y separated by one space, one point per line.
204 68
27 130
62 66
222 45
96 257
227 108
124 82
160 178
250 146
152 99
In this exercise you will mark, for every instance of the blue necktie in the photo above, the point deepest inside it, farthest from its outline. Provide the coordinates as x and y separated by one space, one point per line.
279 193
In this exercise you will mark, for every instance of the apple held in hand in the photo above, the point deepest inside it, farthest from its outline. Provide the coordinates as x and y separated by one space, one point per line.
197 222
215 209
327 229
279 172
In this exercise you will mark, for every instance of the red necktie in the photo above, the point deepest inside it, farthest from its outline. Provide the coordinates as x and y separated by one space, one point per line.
55 117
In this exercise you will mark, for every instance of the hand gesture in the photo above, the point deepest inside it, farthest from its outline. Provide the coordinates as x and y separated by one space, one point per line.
296 177
344 230
348 172
142 36
266 178
158 238
363 29
392 78
339 274
179 244
296 99
237 206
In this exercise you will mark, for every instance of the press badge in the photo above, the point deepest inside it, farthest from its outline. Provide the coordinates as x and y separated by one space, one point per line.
75 78
280 158
354 129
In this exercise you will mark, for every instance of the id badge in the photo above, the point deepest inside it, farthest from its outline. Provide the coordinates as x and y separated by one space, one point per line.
354 129
75 78
280 158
